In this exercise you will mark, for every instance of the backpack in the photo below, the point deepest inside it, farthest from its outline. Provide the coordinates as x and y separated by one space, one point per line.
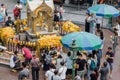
48 59
92 65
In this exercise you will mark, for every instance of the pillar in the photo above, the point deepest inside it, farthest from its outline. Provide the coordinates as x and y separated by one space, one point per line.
37 49
33 25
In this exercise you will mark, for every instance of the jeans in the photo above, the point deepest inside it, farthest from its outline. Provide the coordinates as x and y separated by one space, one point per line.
89 72
35 73
111 66
99 56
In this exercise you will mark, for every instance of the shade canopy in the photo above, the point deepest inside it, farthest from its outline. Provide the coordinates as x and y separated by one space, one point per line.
83 40
104 10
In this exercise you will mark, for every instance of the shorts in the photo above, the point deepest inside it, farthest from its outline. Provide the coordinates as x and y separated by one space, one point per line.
69 71
17 65
81 73
111 66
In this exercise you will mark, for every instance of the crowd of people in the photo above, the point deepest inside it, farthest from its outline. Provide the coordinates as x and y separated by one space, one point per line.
88 65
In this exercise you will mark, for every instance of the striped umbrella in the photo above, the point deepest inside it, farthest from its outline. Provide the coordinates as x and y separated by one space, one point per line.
104 10
83 40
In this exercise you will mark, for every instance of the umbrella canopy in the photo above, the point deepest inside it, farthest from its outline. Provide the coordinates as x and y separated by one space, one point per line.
104 10
1 18
83 40
23 1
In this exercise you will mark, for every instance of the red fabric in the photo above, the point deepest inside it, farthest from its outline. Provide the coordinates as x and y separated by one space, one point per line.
16 12
27 53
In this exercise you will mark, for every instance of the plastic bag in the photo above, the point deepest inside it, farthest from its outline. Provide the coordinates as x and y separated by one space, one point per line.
12 64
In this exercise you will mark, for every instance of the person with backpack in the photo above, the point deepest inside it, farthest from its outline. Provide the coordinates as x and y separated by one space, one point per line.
48 59
56 76
94 75
24 72
91 65
49 74
104 71
35 67
81 66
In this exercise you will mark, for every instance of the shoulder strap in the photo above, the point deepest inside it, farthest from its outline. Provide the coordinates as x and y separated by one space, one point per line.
52 77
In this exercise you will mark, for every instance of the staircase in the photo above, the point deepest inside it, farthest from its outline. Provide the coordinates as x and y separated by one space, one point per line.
4 59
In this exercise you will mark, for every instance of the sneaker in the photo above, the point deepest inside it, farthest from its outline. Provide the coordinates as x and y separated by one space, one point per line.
13 70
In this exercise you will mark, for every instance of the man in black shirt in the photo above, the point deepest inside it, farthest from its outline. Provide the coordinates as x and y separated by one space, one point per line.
109 58
81 66
9 22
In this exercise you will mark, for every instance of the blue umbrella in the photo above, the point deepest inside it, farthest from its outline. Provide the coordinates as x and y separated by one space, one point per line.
83 40
1 18
104 10
23 1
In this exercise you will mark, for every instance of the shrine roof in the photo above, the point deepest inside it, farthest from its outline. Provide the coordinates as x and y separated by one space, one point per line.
33 4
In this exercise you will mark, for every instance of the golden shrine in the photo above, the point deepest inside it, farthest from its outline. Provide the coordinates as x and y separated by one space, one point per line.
40 14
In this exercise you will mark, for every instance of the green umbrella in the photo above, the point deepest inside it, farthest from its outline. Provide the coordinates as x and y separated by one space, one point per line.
83 40
104 10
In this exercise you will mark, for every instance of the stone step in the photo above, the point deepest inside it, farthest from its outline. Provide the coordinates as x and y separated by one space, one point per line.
5 59
4 62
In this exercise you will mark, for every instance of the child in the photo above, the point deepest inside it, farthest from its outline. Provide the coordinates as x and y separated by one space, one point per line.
94 75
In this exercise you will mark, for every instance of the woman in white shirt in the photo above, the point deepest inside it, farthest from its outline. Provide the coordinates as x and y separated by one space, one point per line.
58 61
118 27
50 72
62 71
3 11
